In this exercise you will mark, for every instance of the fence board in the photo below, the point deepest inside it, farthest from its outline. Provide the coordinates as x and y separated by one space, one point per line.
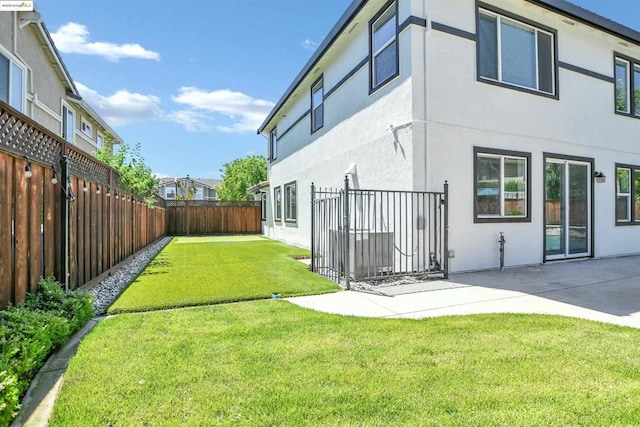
21 231
6 225
50 244
199 217
35 227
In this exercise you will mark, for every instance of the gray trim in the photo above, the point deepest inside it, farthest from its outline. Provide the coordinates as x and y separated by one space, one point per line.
412 20
587 17
347 77
453 31
298 120
586 72
633 193
346 18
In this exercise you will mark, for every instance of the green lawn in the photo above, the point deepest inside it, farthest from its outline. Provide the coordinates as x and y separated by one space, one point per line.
273 363
205 270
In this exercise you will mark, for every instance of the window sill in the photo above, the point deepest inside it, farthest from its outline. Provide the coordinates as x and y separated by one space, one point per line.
519 88
501 219
626 223
623 114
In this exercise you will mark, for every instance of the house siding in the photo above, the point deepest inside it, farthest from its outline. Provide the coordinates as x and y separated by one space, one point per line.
440 110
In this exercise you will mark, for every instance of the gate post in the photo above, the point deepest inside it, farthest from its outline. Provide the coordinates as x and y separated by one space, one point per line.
345 240
313 227
446 230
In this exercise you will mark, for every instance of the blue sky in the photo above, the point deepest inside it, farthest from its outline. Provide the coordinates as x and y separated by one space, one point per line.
191 80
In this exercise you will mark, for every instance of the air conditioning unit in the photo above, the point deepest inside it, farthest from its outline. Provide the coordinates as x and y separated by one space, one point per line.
370 253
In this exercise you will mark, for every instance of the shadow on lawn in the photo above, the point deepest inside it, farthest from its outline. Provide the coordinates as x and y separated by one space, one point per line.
160 265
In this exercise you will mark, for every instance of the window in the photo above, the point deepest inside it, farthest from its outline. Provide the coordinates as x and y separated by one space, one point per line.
12 83
317 105
383 49
514 53
199 194
68 123
277 201
170 193
263 205
627 194
273 145
501 186
100 140
627 75
85 127
290 213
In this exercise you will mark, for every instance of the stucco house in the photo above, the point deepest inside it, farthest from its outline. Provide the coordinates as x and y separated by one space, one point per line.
188 188
530 109
35 81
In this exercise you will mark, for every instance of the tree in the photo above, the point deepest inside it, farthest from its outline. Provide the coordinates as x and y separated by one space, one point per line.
241 174
134 174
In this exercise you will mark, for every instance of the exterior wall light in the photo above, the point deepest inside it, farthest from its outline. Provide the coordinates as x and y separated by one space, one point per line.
599 177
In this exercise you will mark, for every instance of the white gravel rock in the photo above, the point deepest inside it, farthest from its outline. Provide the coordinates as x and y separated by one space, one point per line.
108 290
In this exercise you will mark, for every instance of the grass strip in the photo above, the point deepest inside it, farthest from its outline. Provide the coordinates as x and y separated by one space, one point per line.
207 270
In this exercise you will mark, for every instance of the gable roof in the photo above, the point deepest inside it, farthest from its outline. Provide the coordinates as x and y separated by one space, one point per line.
561 7
209 183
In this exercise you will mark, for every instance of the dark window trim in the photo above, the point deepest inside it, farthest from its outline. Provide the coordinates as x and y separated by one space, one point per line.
263 206
633 194
509 15
295 185
312 109
412 20
372 88
632 63
273 147
277 210
500 152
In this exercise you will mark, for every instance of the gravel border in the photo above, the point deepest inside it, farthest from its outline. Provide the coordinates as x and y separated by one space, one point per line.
108 290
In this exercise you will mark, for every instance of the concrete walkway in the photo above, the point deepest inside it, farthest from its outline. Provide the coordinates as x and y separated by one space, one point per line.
605 290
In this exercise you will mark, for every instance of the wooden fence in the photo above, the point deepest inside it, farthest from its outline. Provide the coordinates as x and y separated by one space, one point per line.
212 217
71 217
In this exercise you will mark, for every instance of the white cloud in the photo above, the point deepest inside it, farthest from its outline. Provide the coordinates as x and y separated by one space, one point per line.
246 113
193 121
123 106
74 38
161 175
311 45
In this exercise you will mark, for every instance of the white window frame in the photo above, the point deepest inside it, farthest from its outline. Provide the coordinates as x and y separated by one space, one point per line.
86 128
168 190
536 29
290 203
14 62
375 53
65 110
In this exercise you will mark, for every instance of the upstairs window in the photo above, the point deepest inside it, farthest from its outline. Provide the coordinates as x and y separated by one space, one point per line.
515 53
12 83
273 145
627 75
85 127
100 140
627 194
317 105
383 49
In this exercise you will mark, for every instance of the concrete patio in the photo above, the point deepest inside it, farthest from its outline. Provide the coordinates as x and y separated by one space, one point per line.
605 290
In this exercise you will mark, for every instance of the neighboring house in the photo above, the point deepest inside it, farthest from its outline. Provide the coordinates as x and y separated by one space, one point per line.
530 109
35 81
188 188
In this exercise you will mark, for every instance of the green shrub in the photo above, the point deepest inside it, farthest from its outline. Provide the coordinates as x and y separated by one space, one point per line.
30 332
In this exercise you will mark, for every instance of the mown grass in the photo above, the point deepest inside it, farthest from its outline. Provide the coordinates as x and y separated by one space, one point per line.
273 363
206 270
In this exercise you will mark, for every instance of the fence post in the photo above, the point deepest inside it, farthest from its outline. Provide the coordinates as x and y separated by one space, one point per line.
446 230
313 226
64 219
347 267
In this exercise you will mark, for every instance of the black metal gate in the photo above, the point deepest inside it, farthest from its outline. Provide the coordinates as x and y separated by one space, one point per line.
374 234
